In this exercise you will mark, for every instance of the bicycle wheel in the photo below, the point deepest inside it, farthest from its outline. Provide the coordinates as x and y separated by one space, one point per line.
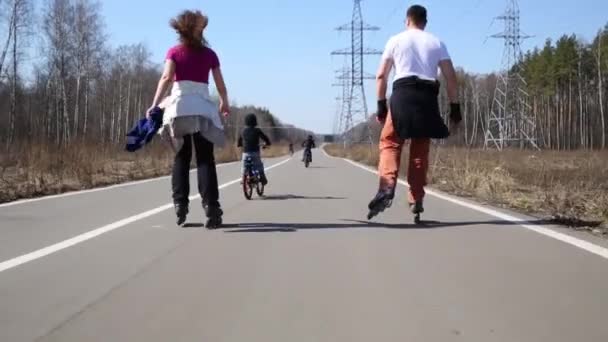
247 188
260 189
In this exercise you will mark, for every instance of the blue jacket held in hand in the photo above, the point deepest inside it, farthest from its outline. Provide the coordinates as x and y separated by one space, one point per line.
144 130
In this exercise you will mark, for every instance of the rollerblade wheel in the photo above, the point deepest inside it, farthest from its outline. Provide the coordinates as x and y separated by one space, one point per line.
379 207
417 219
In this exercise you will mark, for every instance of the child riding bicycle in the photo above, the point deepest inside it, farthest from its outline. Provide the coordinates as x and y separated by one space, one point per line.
249 141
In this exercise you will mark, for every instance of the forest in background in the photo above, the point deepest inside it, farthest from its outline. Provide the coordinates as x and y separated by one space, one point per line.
68 97
61 82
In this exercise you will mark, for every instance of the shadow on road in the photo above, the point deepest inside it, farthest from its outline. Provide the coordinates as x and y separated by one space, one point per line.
356 224
294 197
193 225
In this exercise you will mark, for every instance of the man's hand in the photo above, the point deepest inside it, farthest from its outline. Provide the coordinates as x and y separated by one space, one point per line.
455 113
455 118
382 111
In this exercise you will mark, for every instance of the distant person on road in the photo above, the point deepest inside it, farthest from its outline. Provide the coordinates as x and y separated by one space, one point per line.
250 141
308 145
417 56
190 117
291 150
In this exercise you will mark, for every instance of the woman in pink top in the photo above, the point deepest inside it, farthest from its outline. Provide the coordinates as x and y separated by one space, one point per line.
190 116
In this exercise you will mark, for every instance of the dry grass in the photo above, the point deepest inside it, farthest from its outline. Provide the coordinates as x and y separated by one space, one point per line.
37 170
570 187
274 151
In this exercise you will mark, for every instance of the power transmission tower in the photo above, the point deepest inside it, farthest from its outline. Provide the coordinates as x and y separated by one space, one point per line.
342 120
510 123
354 109
336 125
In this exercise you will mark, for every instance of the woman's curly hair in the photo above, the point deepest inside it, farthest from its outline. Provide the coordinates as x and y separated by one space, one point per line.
190 26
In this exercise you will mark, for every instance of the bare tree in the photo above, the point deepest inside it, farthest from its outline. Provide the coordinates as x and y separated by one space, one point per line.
600 86
20 11
9 37
581 112
58 20
88 40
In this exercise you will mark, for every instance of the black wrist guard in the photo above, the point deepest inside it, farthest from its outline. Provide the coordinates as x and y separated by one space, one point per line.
382 109
455 113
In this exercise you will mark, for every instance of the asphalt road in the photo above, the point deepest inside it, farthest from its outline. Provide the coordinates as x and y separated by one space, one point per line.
302 264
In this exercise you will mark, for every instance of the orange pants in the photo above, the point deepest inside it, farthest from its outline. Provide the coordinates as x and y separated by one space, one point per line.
391 146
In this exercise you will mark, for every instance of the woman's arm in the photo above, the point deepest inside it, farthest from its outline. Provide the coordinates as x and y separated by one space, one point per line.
163 84
218 78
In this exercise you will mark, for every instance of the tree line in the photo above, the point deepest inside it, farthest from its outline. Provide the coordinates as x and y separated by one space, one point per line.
79 89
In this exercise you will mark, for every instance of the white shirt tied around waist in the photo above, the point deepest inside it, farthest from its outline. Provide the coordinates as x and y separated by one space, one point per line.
190 98
188 110
416 53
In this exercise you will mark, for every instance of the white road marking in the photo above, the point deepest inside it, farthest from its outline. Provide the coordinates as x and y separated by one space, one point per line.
12 263
325 152
582 244
82 192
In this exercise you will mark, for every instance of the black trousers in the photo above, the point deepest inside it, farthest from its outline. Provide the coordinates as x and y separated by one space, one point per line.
206 172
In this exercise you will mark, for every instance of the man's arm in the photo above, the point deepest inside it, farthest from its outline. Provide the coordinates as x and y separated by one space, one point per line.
386 65
240 141
447 69
382 78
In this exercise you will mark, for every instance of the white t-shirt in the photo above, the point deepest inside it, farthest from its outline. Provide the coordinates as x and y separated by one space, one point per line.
415 53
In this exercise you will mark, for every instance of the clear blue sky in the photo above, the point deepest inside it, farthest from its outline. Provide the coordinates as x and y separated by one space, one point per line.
276 53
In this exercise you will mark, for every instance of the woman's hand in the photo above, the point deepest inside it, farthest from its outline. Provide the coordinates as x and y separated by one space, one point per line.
224 108
149 111
221 89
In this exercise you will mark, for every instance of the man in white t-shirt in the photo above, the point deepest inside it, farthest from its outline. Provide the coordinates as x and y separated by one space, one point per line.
417 56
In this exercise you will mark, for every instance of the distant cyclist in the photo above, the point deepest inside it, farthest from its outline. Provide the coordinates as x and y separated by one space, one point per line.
250 140
291 150
308 145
